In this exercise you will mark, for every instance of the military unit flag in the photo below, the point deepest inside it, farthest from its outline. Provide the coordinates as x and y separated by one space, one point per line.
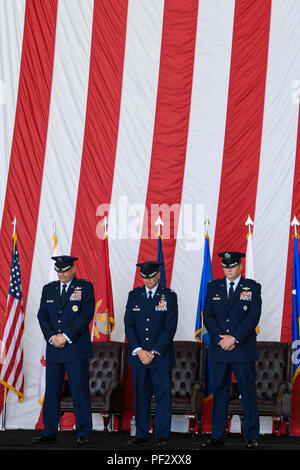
103 322
201 333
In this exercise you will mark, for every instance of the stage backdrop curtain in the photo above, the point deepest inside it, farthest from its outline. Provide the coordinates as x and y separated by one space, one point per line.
132 109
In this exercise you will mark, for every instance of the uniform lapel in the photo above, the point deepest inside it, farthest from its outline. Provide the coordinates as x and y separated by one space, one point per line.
237 292
150 305
223 291
57 292
69 292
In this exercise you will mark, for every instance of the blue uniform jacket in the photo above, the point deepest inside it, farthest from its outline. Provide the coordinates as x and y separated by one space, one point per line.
238 319
151 326
72 318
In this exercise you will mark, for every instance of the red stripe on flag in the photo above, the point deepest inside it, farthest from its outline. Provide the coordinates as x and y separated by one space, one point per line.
29 142
101 131
243 133
170 130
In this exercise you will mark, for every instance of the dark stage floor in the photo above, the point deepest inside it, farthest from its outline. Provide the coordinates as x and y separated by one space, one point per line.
113 449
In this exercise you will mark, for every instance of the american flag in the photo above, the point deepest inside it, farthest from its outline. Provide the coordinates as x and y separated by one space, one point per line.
11 374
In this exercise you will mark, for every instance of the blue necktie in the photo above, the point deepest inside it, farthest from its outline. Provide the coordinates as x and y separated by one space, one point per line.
231 291
63 295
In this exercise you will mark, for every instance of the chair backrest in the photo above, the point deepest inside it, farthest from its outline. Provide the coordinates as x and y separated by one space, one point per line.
108 366
273 367
189 367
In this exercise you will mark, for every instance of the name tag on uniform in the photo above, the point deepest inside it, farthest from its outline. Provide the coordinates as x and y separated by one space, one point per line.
216 298
136 309
162 306
49 301
245 295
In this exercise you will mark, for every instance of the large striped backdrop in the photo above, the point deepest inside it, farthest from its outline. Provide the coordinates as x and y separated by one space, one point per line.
133 108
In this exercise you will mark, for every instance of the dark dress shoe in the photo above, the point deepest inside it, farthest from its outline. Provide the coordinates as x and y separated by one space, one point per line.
83 440
212 443
136 441
43 440
251 444
160 442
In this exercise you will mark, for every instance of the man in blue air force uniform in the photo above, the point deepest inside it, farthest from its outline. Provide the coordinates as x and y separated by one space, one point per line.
231 313
66 310
150 325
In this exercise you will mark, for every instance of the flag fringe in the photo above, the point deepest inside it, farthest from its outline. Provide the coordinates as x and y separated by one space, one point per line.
20 394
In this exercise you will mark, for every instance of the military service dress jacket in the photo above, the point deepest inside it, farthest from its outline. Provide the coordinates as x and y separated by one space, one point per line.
71 318
151 325
239 318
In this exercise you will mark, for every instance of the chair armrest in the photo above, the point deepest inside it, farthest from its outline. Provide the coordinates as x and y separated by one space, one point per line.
284 398
198 388
113 386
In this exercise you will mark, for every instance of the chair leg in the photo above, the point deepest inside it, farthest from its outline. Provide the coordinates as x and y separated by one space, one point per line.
227 430
120 422
192 422
277 424
287 424
242 425
106 418
200 419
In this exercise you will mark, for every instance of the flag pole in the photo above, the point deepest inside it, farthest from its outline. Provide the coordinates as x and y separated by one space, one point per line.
4 409
249 222
159 224
294 224
206 225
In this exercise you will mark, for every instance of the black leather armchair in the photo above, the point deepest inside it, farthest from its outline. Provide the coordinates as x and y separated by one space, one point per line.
107 382
273 384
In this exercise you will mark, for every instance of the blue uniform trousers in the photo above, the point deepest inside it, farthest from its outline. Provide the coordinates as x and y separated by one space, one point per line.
245 376
78 376
148 381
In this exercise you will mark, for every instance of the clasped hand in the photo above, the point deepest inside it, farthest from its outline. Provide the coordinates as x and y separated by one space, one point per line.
59 340
227 342
145 356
